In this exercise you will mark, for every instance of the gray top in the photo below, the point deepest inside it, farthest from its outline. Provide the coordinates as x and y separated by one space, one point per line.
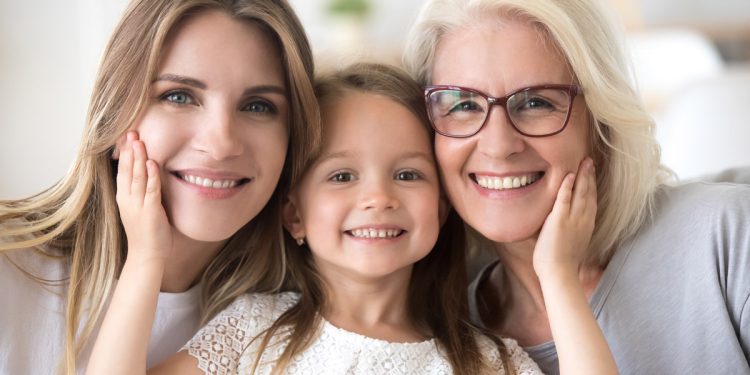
675 298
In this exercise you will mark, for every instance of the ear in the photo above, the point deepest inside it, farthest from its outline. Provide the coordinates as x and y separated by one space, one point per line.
292 219
444 208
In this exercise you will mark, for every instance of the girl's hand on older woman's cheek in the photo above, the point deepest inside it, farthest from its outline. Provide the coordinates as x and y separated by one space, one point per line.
139 201
567 231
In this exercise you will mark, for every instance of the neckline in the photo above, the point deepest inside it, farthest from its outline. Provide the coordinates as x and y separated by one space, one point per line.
353 337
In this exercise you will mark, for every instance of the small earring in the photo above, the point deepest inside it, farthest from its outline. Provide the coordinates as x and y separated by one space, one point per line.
300 241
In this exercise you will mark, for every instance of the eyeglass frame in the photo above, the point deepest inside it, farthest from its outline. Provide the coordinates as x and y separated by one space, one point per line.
573 91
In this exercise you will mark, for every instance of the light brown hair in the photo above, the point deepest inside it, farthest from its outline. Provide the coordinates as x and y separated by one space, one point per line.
77 219
437 300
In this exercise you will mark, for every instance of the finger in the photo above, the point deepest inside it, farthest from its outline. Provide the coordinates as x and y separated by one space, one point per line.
138 184
125 169
592 196
584 189
564 195
153 186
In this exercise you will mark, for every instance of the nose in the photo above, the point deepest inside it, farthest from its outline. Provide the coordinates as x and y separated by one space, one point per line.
498 138
218 136
378 195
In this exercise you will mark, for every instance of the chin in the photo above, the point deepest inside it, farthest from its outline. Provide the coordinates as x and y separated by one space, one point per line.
204 232
516 232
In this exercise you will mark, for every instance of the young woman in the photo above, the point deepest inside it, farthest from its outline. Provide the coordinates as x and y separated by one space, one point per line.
375 288
525 90
220 92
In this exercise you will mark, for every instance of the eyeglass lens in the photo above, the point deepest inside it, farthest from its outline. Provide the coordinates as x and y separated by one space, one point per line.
534 112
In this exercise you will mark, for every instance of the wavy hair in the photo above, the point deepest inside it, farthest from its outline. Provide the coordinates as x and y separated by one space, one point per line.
77 219
624 146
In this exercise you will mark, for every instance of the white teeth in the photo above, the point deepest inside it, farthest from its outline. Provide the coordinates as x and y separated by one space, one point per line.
209 183
504 183
375 233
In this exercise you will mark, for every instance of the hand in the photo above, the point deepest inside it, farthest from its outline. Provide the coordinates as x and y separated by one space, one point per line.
567 231
139 200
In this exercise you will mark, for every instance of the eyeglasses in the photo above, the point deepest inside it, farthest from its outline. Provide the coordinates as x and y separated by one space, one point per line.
536 111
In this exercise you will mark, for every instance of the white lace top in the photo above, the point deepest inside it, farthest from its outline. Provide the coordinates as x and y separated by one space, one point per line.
224 346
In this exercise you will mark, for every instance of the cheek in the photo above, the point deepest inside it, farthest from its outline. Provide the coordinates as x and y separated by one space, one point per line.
161 135
452 155
271 144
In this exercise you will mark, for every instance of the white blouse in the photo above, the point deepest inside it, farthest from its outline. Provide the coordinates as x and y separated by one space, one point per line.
226 346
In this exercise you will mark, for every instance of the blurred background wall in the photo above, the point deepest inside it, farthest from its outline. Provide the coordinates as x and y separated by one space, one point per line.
692 58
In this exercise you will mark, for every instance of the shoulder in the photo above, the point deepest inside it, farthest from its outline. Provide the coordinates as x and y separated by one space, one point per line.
700 209
219 345
517 357
704 196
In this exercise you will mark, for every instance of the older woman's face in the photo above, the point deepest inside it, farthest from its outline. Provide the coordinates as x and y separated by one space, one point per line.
497 60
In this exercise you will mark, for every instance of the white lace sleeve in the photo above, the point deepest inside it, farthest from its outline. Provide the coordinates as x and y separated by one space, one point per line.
523 364
219 345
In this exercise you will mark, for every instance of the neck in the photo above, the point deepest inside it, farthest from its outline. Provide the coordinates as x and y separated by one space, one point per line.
374 307
189 259
517 287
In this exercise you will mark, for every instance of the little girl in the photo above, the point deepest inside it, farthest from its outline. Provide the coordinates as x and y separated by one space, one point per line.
375 285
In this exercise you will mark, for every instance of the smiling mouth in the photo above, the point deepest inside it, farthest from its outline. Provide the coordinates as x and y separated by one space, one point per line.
506 182
375 233
211 183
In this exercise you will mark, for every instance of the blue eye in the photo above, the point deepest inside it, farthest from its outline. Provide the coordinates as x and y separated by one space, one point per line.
536 103
341 177
408 175
466 106
178 97
259 106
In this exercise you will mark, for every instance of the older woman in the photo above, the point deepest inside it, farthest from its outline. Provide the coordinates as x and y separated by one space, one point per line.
519 93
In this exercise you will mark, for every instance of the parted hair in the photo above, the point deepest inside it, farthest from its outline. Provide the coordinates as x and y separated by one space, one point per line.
437 299
77 219
624 147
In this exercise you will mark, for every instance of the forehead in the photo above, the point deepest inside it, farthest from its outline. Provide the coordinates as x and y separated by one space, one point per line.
212 43
499 56
365 121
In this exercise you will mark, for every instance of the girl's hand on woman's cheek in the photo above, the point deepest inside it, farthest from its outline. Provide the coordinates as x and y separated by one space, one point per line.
567 231
139 200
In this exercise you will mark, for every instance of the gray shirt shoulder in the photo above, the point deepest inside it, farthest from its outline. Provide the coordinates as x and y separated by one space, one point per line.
674 299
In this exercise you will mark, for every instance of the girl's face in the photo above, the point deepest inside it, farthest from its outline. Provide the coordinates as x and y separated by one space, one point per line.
216 123
499 60
368 207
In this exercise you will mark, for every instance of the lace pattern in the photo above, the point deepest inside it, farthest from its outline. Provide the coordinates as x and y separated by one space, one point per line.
226 346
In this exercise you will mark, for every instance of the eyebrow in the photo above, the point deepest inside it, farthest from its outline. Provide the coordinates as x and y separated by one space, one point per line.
261 89
181 79
408 155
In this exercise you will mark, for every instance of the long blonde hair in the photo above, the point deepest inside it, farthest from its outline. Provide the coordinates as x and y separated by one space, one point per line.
437 301
77 219
626 152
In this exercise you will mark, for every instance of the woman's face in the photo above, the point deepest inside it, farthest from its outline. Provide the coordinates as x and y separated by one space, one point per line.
497 60
216 123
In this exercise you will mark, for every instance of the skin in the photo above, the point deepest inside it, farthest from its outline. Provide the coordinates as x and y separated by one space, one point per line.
211 117
376 173
224 118
499 58
377 170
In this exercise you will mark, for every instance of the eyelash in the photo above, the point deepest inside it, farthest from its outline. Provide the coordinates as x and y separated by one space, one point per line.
270 108
189 97
337 174
416 175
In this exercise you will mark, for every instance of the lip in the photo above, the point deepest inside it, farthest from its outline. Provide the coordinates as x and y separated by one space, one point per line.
507 193
211 192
